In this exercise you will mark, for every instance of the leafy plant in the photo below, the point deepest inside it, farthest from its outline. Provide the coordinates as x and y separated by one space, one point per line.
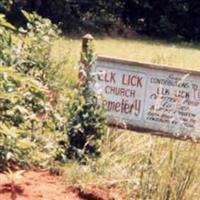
30 108
27 122
86 116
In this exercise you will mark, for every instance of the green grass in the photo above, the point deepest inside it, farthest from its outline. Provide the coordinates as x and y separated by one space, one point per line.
182 55
142 166
178 55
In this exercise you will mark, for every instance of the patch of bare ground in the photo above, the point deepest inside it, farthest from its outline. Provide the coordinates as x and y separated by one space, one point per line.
97 193
41 185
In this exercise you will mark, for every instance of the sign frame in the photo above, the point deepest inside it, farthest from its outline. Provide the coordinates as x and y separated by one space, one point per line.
123 125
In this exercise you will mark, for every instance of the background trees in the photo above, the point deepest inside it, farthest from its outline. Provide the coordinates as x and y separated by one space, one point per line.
162 18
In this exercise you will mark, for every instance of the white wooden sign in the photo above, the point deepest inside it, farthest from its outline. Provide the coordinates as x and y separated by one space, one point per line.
147 97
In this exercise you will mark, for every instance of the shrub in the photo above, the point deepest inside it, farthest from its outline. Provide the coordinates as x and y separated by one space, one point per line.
30 109
86 116
29 51
26 119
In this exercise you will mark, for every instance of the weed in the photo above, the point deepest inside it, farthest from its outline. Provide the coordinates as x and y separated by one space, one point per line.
13 178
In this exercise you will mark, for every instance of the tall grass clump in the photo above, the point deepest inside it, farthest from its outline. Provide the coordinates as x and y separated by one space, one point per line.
142 167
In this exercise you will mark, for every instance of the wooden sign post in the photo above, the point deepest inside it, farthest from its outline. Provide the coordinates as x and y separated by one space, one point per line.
149 98
83 70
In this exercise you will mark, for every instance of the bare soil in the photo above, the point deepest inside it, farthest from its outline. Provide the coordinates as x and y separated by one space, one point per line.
41 185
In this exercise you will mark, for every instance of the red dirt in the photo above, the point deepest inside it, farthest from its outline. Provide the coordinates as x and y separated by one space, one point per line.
40 185
36 186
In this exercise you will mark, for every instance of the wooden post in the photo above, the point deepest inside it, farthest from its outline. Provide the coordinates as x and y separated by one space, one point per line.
86 41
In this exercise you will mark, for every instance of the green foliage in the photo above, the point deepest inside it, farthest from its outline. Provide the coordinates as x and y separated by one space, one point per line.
73 15
26 114
4 23
34 59
26 149
30 109
5 5
29 51
166 18
86 116
23 101
5 41
95 15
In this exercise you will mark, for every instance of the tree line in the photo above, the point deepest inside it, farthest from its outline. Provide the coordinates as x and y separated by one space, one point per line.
160 18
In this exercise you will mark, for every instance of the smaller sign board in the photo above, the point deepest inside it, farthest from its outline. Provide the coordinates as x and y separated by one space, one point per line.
148 97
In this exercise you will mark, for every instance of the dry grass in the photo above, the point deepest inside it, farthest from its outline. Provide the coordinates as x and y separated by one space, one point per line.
143 166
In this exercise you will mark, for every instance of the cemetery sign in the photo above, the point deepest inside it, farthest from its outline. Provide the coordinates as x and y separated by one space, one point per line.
148 97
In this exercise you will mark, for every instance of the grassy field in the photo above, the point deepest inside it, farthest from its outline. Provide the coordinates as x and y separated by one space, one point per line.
140 165
183 55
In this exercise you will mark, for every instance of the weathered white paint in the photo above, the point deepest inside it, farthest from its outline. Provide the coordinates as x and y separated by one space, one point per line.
150 97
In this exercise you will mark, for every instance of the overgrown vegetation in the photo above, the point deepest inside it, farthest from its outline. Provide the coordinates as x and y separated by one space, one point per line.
140 166
35 122
31 122
39 122
86 116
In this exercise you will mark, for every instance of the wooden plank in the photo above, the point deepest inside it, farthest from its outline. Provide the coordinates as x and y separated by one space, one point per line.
148 65
151 98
